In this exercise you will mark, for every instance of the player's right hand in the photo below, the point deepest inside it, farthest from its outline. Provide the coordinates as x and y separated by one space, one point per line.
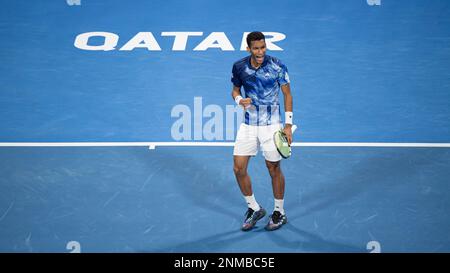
246 102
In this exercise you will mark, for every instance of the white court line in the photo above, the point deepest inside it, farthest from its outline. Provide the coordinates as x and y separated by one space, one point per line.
153 145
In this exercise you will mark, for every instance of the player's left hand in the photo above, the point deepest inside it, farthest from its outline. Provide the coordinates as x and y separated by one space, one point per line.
288 132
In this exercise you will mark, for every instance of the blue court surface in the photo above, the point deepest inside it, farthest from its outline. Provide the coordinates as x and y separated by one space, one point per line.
87 86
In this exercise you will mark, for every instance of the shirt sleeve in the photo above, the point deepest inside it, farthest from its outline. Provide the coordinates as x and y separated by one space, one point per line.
235 77
283 76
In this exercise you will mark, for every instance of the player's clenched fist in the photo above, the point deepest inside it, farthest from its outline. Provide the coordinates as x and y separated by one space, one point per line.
245 102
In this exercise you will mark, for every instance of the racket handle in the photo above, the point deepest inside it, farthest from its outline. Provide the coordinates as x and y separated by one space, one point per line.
293 128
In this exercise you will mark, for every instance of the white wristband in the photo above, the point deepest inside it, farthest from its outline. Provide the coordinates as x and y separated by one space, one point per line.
288 117
237 99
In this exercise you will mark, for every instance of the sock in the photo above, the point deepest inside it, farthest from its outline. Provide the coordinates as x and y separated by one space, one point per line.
251 202
279 205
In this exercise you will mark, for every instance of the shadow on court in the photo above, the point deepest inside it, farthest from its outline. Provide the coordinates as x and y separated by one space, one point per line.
303 242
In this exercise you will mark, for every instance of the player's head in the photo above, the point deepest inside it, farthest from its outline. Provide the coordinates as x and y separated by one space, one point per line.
256 45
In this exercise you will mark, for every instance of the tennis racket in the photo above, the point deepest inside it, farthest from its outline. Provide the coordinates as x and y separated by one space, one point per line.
281 142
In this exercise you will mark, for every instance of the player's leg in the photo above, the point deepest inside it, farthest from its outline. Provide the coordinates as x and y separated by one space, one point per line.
240 171
273 163
278 182
246 145
278 217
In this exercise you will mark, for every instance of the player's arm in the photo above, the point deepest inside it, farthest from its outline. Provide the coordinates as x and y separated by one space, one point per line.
236 94
288 102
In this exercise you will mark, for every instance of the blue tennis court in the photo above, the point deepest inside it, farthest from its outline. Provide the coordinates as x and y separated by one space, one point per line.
88 86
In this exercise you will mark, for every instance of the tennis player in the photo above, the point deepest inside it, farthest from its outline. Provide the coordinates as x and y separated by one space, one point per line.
261 77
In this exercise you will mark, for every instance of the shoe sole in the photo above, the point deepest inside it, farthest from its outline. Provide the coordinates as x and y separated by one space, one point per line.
254 223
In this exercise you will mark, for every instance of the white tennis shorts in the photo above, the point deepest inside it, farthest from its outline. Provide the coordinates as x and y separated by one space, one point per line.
251 137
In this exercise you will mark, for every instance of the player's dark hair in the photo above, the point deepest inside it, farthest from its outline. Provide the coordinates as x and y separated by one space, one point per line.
255 36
